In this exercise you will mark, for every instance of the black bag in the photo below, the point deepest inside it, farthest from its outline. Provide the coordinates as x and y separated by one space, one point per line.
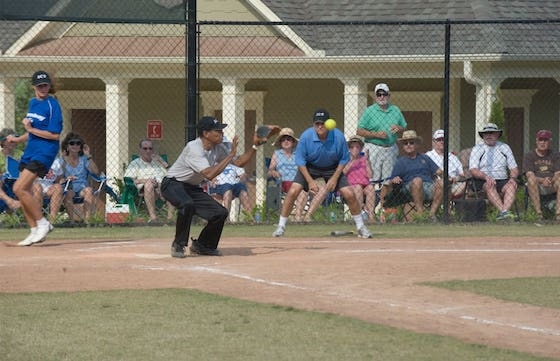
470 210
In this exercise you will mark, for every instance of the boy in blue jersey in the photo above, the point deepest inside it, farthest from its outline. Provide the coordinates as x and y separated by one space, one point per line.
43 125
321 154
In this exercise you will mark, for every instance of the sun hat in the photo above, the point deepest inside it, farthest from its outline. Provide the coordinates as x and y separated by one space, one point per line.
285 132
355 139
410 135
490 128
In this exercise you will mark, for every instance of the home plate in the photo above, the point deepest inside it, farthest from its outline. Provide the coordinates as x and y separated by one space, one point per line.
151 255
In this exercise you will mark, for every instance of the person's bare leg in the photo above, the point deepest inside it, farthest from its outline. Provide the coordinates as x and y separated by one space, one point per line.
316 202
150 199
534 193
417 193
55 195
437 198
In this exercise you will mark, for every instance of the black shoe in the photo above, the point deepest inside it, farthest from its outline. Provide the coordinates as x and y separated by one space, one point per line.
200 249
177 251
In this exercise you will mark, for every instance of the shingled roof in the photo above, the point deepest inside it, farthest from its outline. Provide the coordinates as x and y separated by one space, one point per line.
406 39
367 38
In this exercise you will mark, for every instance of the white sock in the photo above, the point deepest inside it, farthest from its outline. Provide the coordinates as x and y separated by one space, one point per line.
358 220
282 221
42 222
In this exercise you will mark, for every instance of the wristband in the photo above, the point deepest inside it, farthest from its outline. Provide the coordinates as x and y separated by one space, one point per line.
88 158
255 147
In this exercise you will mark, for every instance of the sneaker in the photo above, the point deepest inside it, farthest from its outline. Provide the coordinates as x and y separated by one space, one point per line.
27 240
279 232
42 232
177 251
504 216
363 232
202 250
540 218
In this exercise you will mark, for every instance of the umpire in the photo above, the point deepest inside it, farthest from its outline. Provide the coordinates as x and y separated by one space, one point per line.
201 160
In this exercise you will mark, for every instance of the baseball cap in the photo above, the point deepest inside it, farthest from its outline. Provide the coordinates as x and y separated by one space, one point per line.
438 134
320 115
40 77
544 134
381 86
210 123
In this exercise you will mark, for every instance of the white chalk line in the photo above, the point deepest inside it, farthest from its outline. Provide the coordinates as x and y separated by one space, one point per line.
442 311
435 250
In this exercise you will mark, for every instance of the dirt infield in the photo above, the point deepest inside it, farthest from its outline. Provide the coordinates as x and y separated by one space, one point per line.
375 280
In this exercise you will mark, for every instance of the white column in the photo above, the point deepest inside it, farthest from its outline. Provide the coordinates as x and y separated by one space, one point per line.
355 101
485 96
7 103
233 114
116 123
233 109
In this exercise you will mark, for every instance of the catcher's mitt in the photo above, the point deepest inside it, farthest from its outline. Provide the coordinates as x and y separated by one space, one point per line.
264 132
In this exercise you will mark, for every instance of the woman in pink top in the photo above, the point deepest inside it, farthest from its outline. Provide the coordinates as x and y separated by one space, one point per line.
359 173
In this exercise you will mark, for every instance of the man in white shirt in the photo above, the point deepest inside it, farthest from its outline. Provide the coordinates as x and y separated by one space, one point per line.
454 167
147 171
493 166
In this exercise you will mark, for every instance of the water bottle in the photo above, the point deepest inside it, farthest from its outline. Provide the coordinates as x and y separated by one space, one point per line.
332 217
258 217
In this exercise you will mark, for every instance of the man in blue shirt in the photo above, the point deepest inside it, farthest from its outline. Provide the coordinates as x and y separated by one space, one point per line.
321 154
416 172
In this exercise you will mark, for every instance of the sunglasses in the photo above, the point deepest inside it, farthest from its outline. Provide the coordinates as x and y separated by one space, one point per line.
319 123
75 142
543 139
147 148
379 95
408 142
285 139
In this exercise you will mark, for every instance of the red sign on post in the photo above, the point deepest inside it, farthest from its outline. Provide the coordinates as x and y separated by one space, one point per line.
155 129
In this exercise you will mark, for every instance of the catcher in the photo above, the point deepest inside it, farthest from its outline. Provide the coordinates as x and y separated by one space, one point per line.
200 161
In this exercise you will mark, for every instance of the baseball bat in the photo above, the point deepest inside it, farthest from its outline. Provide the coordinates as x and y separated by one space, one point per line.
341 233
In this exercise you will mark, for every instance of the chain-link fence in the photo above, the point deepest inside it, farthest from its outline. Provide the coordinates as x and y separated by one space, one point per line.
123 79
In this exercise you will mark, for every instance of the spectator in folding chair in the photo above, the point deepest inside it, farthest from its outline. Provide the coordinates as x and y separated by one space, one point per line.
321 153
147 172
43 125
359 174
542 170
454 166
50 189
380 124
416 173
8 148
8 202
230 184
283 167
494 170
77 165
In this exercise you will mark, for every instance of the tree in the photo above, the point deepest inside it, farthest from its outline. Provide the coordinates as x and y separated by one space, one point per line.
497 113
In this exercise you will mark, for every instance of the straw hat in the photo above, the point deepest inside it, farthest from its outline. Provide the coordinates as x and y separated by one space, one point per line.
355 139
490 128
410 135
283 132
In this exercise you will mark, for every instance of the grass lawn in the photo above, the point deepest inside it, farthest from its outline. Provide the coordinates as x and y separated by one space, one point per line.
182 324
